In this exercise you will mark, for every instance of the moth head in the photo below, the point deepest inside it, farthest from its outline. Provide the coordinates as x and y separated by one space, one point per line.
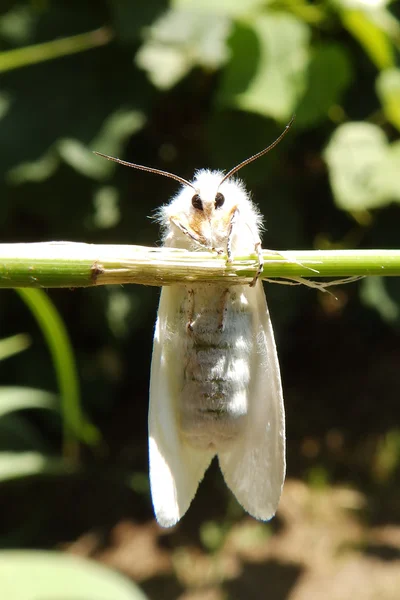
207 199
202 205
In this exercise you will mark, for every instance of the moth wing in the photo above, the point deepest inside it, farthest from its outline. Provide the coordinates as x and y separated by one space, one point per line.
254 468
175 468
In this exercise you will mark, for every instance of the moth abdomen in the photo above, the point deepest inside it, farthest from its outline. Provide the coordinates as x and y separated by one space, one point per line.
213 409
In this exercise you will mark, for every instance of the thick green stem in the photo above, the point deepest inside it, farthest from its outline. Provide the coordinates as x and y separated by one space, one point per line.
66 264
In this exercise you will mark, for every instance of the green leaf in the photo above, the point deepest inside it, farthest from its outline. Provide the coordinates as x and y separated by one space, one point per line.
106 207
329 74
5 103
102 82
268 67
34 575
372 37
34 170
374 293
13 345
388 90
164 65
180 40
75 424
233 8
212 535
16 465
22 398
80 158
117 128
361 167
17 25
387 176
387 459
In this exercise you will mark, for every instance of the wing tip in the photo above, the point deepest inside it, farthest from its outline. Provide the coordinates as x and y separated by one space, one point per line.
165 519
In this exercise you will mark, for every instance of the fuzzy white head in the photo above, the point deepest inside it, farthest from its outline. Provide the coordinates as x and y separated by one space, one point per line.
200 216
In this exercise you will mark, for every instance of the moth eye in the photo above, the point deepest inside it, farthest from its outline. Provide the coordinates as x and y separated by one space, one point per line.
197 202
219 200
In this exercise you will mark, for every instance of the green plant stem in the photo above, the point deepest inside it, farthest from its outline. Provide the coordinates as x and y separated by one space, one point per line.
71 265
29 55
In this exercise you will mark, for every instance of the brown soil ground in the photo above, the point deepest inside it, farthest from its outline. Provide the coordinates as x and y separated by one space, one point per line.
318 547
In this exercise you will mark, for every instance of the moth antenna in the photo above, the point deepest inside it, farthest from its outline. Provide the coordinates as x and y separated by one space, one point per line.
148 169
261 153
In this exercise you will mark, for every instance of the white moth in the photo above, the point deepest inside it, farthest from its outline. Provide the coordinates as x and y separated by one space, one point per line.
215 387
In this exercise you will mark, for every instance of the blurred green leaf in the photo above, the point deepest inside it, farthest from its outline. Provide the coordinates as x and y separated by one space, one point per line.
13 398
120 306
387 458
117 128
106 207
232 8
34 575
364 170
80 158
17 24
5 102
387 178
374 293
13 345
78 97
180 40
212 535
250 535
55 333
329 74
318 477
35 170
139 482
267 71
367 5
164 65
16 465
388 90
374 39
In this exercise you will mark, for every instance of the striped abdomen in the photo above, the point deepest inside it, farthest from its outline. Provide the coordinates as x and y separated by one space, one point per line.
217 352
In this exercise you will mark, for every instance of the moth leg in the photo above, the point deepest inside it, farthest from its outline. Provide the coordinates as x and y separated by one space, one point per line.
190 322
223 309
193 235
260 258
257 245
258 251
232 222
187 230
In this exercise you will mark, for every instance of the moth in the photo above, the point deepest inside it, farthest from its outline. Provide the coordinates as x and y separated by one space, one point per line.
215 385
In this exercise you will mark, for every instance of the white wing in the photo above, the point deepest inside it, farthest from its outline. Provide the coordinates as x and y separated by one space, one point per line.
254 468
175 468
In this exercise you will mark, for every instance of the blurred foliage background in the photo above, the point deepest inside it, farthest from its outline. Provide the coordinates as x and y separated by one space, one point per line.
182 85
